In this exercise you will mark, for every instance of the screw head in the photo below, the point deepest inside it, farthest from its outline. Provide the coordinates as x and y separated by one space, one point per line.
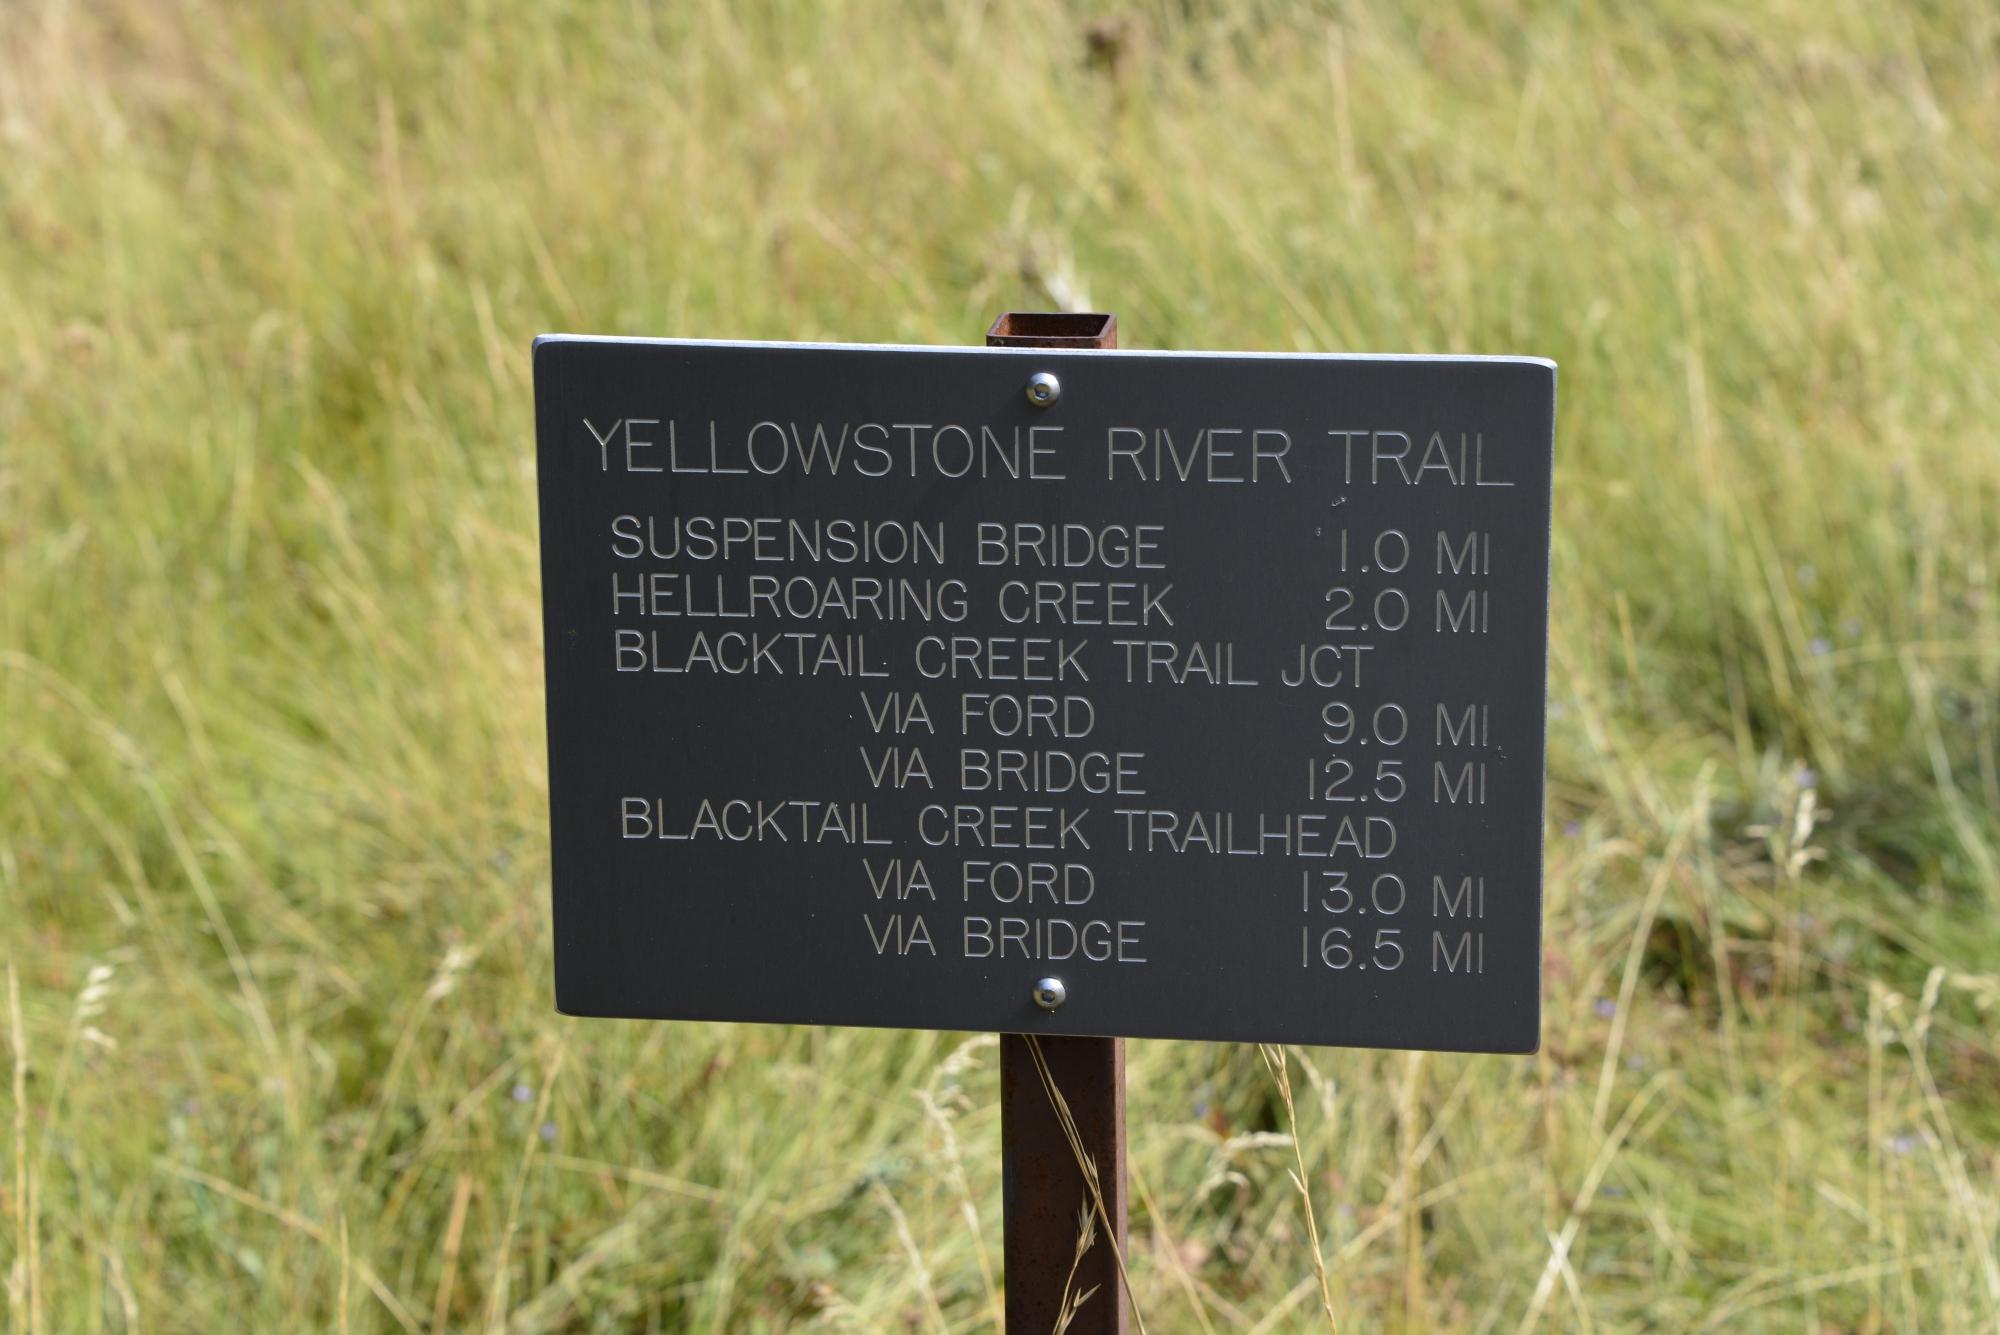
1050 993
1043 389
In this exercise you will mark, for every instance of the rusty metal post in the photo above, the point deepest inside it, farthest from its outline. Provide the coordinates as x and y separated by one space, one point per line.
1045 1190
1043 1186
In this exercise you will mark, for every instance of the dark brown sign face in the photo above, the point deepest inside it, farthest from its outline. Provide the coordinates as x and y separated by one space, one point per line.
1150 694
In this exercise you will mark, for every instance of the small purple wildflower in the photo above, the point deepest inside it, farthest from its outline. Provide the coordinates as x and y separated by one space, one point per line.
549 1132
1805 776
522 1093
1571 829
1820 647
1903 1144
1605 1008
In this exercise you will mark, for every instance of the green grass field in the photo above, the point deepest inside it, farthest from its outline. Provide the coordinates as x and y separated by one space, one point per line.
273 867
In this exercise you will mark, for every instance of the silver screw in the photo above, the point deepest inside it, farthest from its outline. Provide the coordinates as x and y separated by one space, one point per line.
1050 993
1043 390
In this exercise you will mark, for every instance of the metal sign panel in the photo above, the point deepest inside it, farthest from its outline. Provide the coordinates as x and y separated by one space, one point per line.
1171 695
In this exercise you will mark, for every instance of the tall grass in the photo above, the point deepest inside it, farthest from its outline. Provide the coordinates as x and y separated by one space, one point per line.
272 863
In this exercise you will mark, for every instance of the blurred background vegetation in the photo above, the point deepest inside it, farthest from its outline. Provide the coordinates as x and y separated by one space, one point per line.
272 854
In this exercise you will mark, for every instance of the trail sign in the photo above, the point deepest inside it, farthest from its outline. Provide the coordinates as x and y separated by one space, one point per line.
1116 693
